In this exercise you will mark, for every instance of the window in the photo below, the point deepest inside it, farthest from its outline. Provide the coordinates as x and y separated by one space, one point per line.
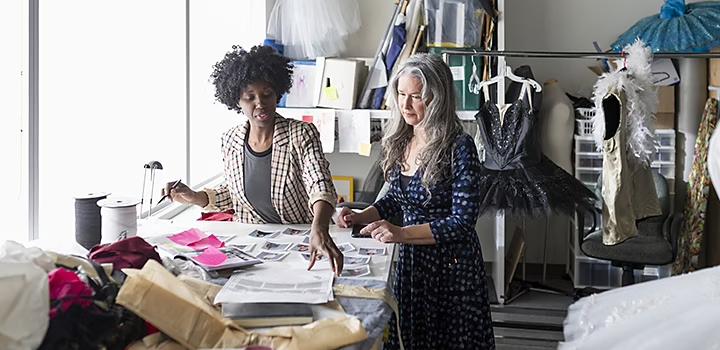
210 39
13 119
112 94
119 84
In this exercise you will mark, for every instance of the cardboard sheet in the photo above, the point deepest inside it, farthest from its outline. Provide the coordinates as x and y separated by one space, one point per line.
183 312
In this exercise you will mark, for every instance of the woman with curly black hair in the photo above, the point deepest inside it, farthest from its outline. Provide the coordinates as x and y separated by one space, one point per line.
275 169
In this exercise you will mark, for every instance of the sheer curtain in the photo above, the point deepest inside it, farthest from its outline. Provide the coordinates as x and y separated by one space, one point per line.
112 98
13 119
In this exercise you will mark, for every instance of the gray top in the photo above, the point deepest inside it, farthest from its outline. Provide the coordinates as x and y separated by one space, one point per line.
258 184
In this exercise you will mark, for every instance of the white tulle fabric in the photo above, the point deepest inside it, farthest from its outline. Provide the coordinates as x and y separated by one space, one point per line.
680 312
313 28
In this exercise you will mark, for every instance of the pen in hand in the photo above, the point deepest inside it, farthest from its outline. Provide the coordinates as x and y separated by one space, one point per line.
168 194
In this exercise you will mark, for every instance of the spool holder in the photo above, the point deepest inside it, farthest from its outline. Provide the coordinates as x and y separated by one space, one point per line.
152 166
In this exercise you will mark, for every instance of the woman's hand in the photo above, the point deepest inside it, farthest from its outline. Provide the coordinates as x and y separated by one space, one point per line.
321 244
184 194
385 232
347 218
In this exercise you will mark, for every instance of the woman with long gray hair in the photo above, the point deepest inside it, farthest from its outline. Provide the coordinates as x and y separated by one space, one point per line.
433 170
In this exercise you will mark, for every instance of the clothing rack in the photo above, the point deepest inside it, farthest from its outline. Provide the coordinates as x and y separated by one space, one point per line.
570 54
499 224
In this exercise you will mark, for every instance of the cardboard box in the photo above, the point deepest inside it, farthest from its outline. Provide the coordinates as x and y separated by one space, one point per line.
664 121
338 82
184 312
714 69
666 99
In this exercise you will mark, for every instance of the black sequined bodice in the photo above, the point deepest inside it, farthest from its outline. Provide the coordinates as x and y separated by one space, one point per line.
513 143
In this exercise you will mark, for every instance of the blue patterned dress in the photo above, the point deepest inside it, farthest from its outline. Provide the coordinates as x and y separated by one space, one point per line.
441 289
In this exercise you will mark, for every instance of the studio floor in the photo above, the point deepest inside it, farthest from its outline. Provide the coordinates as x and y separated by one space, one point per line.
534 320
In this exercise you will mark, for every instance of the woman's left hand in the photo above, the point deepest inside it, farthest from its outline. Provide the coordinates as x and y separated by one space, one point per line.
384 231
321 244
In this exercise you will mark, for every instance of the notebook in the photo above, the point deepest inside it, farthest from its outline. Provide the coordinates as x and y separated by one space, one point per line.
255 315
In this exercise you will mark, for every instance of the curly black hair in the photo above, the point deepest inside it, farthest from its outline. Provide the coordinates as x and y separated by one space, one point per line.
240 68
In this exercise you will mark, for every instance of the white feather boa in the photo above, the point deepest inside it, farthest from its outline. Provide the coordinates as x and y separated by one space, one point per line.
641 103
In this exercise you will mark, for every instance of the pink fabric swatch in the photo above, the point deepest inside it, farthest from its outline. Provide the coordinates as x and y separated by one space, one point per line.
204 243
211 257
64 283
187 237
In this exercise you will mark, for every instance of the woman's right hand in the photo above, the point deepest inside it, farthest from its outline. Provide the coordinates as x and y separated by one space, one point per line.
181 193
347 218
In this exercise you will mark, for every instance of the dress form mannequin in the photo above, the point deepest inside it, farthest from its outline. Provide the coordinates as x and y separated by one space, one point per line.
557 118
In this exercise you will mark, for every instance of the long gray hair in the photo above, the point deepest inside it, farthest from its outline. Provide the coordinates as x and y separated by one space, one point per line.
441 124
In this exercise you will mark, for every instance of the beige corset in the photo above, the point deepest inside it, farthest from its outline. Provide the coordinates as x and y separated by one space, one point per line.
628 189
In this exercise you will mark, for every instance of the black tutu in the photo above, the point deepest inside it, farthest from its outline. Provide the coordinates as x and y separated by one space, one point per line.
541 190
517 177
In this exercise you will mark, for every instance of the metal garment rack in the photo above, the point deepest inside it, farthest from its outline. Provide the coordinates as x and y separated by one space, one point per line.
570 54
499 224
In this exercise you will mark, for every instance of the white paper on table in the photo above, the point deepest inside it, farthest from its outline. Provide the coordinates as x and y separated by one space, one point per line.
278 286
353 129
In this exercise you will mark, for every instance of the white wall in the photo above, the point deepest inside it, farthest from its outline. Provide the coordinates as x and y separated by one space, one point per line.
375 17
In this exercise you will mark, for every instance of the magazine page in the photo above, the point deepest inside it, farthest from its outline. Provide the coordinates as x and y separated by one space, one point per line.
277 286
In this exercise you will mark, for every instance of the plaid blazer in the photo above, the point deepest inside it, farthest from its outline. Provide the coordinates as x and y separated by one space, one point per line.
300 174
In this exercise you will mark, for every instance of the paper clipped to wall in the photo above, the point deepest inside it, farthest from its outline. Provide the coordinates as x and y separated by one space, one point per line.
354 131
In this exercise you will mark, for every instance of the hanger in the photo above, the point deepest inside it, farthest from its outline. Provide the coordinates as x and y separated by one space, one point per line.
510 75
474 83
624 68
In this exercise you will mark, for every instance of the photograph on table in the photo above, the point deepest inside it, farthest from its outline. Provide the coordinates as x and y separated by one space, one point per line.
356 271
372 251
295 231
306 257
346 247
267 256
275 246
246 247
301 247
357 260
263 234
306 240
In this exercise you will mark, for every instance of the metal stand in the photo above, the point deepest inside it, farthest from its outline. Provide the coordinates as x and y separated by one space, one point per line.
525 285
152 165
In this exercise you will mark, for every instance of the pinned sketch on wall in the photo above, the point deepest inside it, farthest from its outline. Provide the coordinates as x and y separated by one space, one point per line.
353 130
291 113
301 94
324 120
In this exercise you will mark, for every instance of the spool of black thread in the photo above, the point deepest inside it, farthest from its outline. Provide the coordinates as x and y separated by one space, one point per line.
88 221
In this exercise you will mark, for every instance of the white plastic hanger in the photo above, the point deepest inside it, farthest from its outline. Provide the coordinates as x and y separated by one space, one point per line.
474 83
510 75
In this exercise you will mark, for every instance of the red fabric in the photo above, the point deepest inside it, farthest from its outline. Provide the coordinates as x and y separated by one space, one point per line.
226 215
150 329
64 283
131 252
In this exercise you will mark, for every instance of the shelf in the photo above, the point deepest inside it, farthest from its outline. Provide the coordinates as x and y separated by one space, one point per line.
383 114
